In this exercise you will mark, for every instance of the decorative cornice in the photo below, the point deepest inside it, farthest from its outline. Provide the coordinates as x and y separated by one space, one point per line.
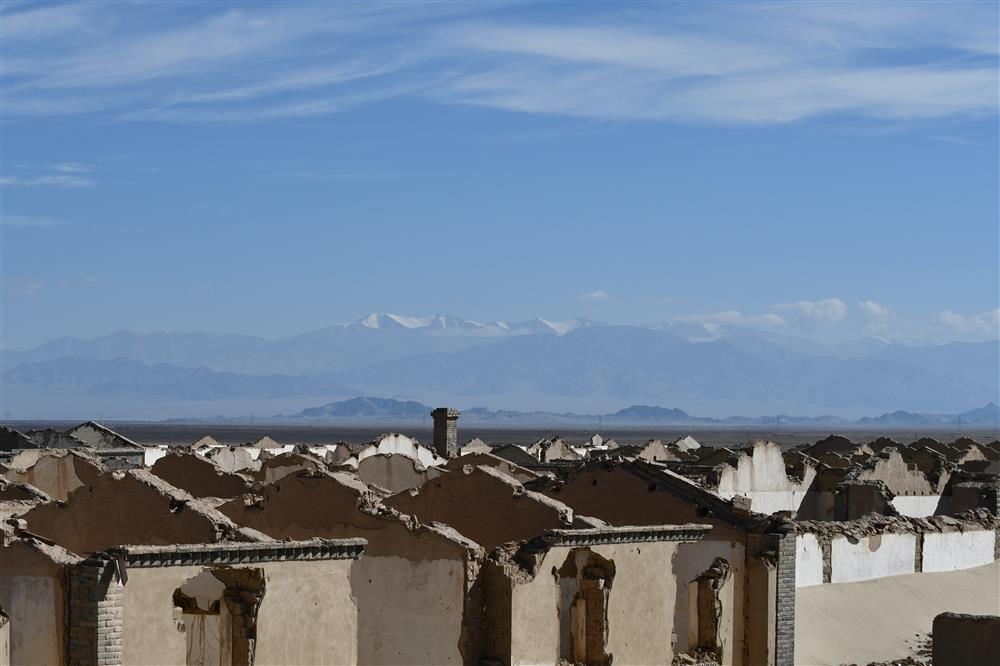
625 534
232 553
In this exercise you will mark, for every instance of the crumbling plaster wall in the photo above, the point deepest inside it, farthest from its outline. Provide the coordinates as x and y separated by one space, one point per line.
949 551
509 468
199 476
55 472
640 606
33 593
410 585
691 560
762 477
410 610
485 505
395 443
395 473
113 512
872 556
307 615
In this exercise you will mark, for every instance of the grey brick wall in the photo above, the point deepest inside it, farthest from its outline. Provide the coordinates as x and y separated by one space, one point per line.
95 615
784 632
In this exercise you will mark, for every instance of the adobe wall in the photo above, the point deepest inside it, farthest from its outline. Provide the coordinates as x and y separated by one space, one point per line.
54 472
199 476
395 473
916 506
410 585
873 556
839 558
115 512
490 509
509 468
965 640
762 477
950 551
4 638
33 594
691 560
640 608
808 561
409 611
636 502
307 615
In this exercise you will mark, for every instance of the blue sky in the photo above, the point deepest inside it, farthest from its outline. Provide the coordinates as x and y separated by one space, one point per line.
824 170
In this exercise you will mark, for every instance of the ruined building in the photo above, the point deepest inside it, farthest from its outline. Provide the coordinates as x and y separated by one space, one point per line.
391 552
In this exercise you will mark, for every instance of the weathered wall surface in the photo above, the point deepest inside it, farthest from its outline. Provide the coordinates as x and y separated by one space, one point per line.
639 610
4 638
307 615
111 513
534 622
484 505
509 468
874 556
409 611
808 561
395 472
690 561
949 551
893 470
199 476
885 619
56 473
916 506
402 445
637 502
320 591
966 640
762 477
640 606
32 592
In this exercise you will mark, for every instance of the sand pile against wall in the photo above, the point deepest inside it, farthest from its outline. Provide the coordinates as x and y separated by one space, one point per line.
887 618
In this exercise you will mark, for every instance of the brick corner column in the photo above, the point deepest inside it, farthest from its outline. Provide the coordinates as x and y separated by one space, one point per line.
784 634
95 614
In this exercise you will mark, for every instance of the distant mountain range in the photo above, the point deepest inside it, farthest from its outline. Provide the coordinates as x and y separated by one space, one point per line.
368 409
713 369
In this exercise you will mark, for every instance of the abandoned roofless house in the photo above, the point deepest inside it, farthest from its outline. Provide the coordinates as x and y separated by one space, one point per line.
390 552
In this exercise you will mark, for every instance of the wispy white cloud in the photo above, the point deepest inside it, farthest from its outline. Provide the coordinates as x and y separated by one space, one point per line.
957 140
716 63
812 314
72 167
594 296
55 180
733 318
986 324
30 221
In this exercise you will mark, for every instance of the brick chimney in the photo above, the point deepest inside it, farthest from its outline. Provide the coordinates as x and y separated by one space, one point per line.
446 431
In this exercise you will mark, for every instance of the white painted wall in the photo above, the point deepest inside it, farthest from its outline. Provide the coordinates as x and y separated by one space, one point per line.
949 551
152 454
916 506
872 557
402 445
761 476
808 561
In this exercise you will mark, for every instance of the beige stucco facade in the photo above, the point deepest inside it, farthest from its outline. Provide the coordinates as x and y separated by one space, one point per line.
151 631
